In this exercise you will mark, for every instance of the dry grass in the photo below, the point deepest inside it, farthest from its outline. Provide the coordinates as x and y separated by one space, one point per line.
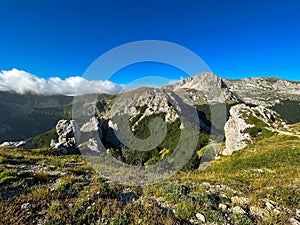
270 168
36 186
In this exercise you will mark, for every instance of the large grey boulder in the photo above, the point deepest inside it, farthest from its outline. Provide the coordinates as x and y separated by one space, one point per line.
66 131
92 127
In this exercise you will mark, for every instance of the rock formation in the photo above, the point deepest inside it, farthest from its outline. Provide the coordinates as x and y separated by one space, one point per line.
66 137
145 101
245 122
71 138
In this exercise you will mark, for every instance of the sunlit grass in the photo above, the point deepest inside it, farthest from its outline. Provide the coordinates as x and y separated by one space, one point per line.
270 168
66 189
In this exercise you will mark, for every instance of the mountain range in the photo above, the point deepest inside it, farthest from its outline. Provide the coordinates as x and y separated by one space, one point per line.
26 115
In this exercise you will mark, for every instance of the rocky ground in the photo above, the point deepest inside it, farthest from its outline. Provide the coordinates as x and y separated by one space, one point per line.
257 185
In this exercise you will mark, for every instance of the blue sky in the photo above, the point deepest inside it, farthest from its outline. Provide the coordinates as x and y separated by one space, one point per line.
236 38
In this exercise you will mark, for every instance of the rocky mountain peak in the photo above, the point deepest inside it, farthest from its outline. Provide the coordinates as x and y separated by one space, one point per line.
205 86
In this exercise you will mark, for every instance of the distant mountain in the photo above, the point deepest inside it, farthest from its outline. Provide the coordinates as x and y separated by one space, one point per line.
283 96
264 91
23 116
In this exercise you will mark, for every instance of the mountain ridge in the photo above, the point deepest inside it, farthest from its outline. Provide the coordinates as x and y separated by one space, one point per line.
18 111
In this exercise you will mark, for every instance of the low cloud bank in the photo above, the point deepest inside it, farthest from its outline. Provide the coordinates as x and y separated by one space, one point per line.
22 82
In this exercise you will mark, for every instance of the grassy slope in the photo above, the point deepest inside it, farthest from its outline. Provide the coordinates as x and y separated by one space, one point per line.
65 190
268 169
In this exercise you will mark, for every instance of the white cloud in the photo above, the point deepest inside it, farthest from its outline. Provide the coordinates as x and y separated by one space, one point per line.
22 82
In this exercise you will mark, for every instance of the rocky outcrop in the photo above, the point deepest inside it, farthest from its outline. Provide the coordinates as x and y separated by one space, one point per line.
71 138
236 138
246 122
207 87
66 137
90 134
93 125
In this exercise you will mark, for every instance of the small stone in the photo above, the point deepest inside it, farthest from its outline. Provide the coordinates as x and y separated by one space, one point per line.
52 143
200 217
270 205
238 210
25 206
222 206
256 211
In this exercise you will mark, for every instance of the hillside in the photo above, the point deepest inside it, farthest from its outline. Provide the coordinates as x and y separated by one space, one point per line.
258 185
27 115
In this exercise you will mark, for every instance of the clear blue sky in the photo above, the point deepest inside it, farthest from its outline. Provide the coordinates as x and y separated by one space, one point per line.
236 38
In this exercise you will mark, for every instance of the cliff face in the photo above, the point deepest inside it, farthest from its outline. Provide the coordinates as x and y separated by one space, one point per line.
257 91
